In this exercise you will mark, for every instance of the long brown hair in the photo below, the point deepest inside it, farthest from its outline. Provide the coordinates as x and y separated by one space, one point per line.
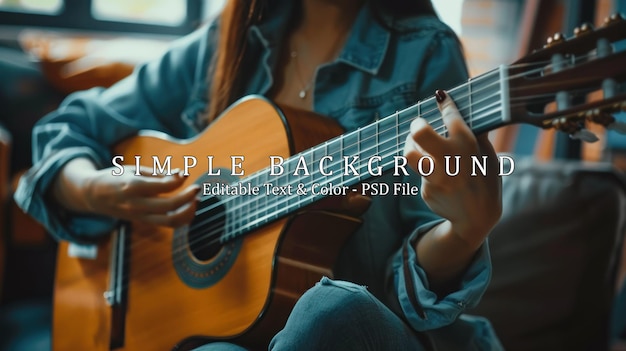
235 20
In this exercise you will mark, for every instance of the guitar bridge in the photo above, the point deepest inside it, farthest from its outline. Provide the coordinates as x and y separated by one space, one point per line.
116 295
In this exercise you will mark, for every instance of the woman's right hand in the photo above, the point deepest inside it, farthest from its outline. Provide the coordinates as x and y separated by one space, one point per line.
80 187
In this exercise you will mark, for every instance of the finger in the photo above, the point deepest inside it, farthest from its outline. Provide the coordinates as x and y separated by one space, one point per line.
488 150
427 140
161 205
414 155
356 203
181 216
412 151
457 128
485 145
143 170
150 172
151 186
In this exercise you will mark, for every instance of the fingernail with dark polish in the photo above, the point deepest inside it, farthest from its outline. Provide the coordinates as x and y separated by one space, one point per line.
440 95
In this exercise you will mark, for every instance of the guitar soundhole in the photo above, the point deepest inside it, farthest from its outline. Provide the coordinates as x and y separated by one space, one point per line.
201 254
206 229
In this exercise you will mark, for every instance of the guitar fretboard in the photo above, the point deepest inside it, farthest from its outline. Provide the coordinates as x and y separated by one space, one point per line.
358 155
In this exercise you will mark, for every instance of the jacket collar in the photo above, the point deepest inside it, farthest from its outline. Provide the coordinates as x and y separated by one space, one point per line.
365 48
367 44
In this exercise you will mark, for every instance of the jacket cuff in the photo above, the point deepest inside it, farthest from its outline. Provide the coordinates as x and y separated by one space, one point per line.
31 192
423 309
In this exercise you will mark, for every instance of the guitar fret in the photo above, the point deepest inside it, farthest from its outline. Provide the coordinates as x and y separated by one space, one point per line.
469 94
386 135
266 199
503 88
341 147
334 165
397 126
377 133
478 104
233 223
484 102
312 166
325 153
359 152
431 113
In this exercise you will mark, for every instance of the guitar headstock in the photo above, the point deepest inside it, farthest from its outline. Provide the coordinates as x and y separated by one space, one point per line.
572 81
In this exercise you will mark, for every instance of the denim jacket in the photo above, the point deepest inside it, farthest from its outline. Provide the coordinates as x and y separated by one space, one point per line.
384 66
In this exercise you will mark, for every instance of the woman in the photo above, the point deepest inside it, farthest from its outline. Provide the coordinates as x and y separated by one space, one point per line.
423 261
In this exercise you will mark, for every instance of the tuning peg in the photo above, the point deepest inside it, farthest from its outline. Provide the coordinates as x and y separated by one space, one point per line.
601 117
583 29
617 126
555 39
614 18
584 135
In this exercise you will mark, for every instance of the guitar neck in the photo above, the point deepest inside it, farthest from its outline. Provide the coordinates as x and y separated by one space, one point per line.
361 154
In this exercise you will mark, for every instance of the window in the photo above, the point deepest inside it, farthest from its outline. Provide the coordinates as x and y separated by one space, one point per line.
172 17
50 7
164 12
450 13
212 8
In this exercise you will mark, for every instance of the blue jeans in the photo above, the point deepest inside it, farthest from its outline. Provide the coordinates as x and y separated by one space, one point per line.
338 315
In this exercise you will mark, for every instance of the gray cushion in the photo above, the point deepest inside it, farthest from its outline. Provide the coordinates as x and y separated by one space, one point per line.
553 254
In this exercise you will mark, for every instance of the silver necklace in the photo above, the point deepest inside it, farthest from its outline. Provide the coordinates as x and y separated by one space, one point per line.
305 86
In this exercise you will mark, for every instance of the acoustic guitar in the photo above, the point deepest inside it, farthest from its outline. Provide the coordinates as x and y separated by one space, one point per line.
235 272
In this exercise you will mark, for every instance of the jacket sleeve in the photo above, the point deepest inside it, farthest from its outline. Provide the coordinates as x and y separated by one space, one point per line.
444 68
89 123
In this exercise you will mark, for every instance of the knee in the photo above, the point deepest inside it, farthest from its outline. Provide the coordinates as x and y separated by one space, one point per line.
334 305
335 300
331 313
220 346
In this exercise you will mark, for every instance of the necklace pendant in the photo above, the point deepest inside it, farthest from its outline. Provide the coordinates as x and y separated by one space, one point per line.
302 94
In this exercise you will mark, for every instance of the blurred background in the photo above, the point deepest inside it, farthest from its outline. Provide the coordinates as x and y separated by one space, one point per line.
50 48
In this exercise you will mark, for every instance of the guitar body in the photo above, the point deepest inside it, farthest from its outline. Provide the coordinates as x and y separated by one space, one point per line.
249 300
154 288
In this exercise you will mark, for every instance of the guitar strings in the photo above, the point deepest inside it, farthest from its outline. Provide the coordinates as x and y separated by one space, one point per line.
432 122
308 181
202 225
529 64
213 233
311 176
251 178
300 201
154 266
393 151
538 64
326 179
220 230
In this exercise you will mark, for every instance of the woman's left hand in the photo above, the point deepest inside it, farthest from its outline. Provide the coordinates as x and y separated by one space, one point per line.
471 203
